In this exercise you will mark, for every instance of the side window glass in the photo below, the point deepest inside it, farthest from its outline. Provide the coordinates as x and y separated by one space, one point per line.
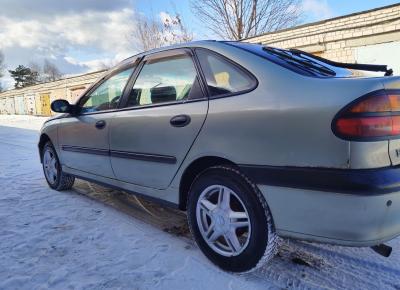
164 80
222 76
108 94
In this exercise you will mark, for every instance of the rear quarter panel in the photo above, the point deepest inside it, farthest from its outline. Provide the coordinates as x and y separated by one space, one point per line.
285 121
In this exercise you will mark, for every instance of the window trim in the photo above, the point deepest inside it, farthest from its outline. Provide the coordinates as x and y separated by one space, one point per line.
240 67
156 56
137 67
123 109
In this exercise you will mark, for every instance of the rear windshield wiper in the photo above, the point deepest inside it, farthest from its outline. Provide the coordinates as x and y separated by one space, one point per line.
305 62
355 66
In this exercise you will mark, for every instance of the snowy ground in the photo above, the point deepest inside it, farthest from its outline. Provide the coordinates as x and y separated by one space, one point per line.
95 238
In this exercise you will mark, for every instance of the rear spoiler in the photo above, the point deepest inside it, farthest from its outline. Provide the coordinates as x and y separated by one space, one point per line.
356 66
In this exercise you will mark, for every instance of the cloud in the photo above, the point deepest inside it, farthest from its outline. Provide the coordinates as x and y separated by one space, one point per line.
93 38
93 65
106 31
317 9
22 9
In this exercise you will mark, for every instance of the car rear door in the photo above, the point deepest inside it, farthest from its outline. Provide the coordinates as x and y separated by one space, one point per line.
83 138
165 110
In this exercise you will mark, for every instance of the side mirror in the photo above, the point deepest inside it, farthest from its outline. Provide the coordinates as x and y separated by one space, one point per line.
61 106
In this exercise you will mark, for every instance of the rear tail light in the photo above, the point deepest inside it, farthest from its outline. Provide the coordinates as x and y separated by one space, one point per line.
375 116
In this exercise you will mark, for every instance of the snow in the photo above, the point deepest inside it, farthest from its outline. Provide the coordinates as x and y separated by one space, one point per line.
96 238
22 121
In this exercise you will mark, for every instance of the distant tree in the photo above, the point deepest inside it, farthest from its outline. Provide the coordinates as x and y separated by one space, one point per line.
166 30
24 76
238 19
1 69
50 72
36 69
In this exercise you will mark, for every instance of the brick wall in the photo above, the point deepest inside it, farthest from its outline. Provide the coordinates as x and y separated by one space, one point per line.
337 38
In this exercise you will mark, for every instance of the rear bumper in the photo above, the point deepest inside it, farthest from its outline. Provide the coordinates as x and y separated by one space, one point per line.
339 206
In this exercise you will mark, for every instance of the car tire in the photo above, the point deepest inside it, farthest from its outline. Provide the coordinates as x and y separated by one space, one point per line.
52 170
220 199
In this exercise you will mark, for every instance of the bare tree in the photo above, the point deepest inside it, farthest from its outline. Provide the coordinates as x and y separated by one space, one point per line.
37 69
51 72
153 33
148 33
48 72
238 19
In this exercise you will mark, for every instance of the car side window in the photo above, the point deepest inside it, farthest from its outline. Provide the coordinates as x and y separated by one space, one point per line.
164 80
223 76
107 95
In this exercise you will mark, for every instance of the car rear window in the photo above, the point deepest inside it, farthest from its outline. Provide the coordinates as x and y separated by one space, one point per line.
297 63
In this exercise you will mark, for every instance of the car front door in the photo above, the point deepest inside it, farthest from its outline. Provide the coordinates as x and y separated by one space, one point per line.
165 110
83 138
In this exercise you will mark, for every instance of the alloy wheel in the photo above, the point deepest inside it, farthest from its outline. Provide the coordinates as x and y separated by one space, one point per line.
223 220
50 166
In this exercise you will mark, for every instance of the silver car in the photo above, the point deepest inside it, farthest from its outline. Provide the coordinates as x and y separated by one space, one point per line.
253 142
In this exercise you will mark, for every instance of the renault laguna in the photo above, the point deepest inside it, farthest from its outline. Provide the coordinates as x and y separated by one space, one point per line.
254 142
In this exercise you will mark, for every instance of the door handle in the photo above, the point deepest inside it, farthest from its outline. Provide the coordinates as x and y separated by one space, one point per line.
100 124
180 121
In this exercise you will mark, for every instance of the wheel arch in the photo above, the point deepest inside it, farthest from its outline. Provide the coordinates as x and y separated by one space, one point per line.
193 170
44 138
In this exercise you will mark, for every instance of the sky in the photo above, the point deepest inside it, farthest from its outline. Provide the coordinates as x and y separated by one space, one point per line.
80 36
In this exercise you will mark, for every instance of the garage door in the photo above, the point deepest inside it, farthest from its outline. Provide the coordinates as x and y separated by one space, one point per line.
384 53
